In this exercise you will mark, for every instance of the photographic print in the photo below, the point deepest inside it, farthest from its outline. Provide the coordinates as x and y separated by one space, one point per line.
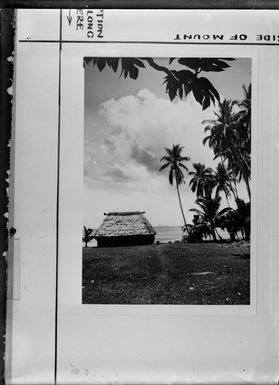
167 181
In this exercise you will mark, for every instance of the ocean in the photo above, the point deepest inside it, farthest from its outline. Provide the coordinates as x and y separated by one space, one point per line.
174 233
168 234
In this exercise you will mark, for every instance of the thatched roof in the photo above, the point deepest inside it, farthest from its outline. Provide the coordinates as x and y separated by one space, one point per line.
117 224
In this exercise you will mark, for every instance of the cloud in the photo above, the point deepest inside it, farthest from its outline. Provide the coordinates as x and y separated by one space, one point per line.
127 146
145 157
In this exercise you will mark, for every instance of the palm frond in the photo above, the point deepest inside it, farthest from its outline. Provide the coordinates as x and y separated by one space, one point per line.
183 166
166 158
185 158
171 176
197 211
164 166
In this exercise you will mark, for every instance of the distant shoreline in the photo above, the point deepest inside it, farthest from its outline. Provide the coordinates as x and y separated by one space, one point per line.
167 234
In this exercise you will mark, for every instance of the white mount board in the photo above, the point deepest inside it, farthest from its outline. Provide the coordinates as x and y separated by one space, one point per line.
61 339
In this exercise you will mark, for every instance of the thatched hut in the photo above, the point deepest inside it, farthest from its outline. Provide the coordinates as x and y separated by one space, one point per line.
125 229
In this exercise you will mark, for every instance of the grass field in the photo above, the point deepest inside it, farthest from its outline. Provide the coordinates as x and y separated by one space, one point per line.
177 273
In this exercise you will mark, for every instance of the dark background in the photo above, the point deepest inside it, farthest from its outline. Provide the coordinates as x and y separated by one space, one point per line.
6 49
140 4
6 74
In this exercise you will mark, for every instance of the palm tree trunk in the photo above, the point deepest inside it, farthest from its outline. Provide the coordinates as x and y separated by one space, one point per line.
226 195
234 182
248 189
229 179
228 201
180 204
213 232
233 189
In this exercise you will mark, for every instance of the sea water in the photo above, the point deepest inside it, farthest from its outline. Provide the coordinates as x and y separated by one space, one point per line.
168 234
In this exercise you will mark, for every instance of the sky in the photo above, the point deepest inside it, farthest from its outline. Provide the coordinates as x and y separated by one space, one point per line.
128 123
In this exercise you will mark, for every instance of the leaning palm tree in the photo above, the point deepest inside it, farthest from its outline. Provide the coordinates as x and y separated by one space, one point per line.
174 160
202 180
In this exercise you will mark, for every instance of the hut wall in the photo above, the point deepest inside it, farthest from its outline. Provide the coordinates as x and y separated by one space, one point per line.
128 240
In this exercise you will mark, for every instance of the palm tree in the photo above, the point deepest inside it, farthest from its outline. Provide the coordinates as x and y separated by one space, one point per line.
222 177
235 220
246 113
246 102
243 169
244 212
230 221
209 212
240 164
224 137
202 180
174 160
223 130
87 235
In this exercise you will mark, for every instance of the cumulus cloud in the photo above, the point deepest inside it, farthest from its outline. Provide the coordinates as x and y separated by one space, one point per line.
128 145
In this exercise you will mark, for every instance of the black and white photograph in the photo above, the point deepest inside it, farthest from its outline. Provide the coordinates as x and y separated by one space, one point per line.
167 184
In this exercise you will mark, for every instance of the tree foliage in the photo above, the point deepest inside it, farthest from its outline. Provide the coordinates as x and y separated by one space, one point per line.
237 220
202 181
178 83
222 178
209 213
87 235
175 161
230 138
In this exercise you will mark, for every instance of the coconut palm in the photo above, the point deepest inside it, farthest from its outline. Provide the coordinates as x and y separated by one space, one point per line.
222 181
230 222
243 170
209 212
223 130
244 212
239 166
243 164
175 161
224 137
235 220
202 180
245 104
198 232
